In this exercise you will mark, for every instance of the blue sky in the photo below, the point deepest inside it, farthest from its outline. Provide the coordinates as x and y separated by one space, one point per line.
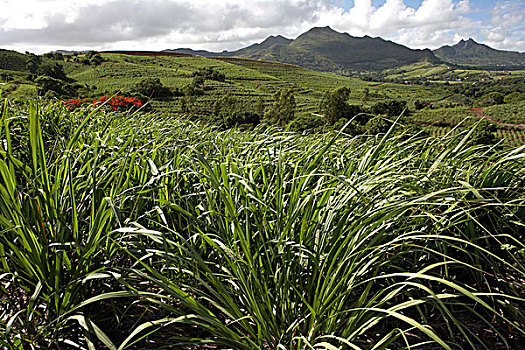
481 8
45 25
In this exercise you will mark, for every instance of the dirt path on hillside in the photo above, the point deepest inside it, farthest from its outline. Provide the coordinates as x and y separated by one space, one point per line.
478 112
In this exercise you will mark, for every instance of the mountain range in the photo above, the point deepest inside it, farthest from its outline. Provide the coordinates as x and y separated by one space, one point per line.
325 49
470 53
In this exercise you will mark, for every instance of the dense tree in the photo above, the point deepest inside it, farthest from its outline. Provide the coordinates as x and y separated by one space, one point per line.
492 98
93 58
209 73
198 81
33 62
53 70
334 105
420 104
514 97
484 133
259 106
283 109
152 88
192 90
56 56
52 87
239 118
225 104
391 108
378 125
6 77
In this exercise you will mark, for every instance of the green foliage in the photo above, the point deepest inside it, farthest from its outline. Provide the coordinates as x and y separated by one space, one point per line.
334 105
198 81
244 120
192 90
507 113
309 123
47 84
11 60
56 56
225 104
514 97
33 62
152 88
53 70
353 128
6 77
117 228
378 125
391 108
282 111
418 105
94 58
490 99
484 133
209 73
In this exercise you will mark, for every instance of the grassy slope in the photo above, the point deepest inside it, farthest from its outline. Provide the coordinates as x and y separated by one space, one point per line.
251 80
245 79
438 72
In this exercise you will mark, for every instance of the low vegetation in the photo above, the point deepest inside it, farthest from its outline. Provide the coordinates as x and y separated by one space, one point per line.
132 229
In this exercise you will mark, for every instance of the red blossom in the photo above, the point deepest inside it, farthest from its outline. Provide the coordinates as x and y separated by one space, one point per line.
111 103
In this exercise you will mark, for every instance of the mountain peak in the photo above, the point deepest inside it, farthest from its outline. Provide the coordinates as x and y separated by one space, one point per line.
271 41
466 44
320 34
471 53
321 31
469 40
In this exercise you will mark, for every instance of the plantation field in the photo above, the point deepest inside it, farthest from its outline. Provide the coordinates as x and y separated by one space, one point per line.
246 80
513 137
250 86
507 113
147 230
444 116
445 73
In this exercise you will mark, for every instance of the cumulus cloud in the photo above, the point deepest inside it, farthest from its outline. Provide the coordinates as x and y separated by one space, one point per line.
42 25
432 24
95 23
506 26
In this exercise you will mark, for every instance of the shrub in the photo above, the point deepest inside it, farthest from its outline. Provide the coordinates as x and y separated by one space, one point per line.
209 73
490 99
283 109
484 133
391 108
152 88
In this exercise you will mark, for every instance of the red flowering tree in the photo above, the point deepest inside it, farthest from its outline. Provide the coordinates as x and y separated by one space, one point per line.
108 103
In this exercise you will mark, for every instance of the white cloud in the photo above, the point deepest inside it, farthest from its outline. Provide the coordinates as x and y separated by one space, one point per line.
43 25
432 24
507 27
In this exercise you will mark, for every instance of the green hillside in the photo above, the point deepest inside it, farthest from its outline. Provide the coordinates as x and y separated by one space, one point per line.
246 80
12 60
249 86
324 49
471 53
